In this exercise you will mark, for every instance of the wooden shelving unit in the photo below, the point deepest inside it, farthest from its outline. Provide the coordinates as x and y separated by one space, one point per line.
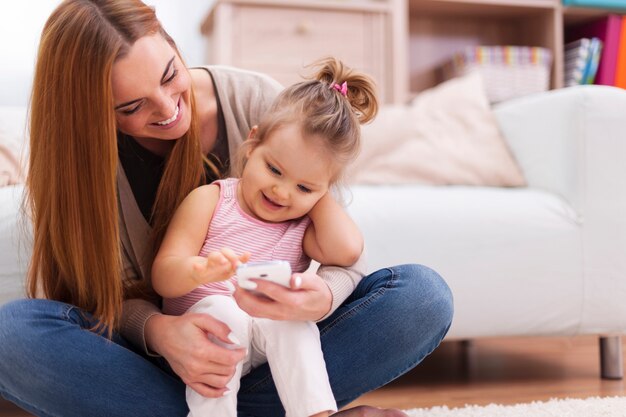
280 37
439 28
403 43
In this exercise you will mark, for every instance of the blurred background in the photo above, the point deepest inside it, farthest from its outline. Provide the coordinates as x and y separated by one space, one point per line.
519 46
21 23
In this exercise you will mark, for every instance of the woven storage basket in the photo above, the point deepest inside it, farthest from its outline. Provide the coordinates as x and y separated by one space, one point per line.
508 71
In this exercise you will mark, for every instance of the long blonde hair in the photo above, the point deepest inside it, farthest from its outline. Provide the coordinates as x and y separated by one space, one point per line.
71 185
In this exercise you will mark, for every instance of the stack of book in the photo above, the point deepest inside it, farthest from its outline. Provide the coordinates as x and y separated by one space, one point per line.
597 4
582 57
508 71
610 30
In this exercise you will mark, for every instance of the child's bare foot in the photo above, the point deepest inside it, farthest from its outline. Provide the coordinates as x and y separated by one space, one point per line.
367 411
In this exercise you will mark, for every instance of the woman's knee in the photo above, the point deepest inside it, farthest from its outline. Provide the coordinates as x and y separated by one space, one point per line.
13 317
23 321
426 294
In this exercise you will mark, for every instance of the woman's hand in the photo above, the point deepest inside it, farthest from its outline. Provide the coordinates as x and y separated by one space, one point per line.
309 298
183 342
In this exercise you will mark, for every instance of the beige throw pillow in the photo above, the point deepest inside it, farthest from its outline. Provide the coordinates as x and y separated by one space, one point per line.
448 135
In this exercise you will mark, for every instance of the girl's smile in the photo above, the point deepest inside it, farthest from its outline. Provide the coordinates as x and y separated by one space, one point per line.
271 205
285 175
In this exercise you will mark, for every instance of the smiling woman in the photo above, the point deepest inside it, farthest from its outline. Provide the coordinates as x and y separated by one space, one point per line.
120 133
150 105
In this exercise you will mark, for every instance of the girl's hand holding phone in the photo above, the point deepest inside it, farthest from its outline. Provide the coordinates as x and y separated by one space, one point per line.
218 266
278 272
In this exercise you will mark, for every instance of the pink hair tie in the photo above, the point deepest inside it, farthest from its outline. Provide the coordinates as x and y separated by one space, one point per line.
343 88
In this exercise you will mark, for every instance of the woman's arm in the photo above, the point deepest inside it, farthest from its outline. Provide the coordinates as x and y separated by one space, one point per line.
182 341
332 238
177 269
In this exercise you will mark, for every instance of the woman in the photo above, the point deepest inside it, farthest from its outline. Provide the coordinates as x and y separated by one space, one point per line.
120 133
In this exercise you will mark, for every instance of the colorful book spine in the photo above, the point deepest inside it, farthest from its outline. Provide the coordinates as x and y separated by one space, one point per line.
607 29
597 4
620 71
591 69
575 61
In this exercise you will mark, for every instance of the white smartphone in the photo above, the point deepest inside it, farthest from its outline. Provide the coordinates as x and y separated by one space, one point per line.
278 272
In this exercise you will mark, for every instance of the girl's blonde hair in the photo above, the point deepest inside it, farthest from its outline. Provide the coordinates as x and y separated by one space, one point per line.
71 185
322 110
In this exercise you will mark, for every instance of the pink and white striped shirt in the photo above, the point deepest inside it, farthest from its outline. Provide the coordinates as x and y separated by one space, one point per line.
232 228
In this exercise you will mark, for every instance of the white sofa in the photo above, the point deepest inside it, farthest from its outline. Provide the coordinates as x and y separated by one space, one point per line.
548 259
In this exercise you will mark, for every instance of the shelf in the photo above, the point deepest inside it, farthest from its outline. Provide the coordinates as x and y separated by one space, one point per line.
439 28
574 15
471 8
403 43
361 5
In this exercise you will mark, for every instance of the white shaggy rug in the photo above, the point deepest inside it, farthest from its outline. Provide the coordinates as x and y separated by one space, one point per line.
590 407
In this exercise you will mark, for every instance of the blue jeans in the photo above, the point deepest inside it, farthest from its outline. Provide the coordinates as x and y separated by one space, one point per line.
51 365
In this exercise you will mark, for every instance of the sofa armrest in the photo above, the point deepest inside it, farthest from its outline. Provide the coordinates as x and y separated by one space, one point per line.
572 142
569 141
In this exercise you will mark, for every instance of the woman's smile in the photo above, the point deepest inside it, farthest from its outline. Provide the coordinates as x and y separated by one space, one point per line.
172 121
152 90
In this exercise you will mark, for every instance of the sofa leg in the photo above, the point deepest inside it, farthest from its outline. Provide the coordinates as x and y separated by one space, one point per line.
466 357
611 364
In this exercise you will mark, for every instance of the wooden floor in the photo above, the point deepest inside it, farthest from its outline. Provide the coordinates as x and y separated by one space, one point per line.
504 371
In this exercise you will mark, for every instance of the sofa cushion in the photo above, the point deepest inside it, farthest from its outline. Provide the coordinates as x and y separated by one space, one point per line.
448 135
511 256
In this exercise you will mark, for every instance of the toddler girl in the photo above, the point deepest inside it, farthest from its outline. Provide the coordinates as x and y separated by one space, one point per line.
279 209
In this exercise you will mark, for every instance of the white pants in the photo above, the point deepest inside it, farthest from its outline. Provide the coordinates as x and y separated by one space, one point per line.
294 354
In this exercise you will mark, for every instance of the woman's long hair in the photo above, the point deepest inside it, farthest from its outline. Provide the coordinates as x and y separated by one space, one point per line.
71 185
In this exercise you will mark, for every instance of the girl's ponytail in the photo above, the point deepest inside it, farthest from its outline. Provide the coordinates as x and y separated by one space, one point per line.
361 88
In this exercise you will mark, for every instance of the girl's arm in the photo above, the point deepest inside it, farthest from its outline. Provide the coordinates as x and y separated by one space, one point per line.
332 238
177 268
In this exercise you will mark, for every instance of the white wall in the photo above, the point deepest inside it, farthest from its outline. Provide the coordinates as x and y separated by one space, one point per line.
20 27
21 23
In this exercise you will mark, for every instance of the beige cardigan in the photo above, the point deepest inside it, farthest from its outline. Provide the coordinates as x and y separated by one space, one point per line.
244 96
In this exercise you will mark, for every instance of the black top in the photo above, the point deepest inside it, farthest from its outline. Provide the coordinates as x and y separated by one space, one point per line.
144 169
